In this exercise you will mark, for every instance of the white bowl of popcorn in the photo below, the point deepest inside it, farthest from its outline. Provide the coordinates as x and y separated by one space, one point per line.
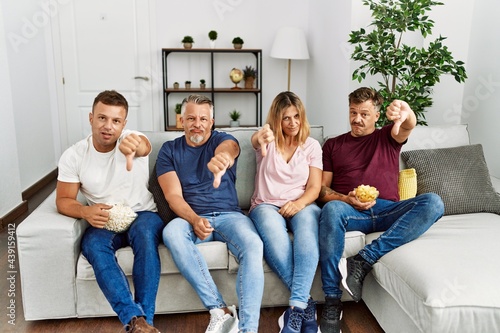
120 218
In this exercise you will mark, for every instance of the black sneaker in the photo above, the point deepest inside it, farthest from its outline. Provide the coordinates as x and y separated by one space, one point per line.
309 322
354 270
331 316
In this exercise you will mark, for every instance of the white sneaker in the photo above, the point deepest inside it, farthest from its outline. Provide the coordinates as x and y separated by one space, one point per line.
221 322
343 273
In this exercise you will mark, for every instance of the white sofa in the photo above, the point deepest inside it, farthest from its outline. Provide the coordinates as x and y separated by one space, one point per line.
442 282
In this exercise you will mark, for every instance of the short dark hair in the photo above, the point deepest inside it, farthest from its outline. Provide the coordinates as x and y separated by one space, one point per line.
364 94
111 97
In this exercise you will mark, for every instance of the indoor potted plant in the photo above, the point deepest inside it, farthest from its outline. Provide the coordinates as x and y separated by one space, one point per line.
178 116
176 85
187 84
202 84
235 118
212 35
187 42
249 75
238 43
407 72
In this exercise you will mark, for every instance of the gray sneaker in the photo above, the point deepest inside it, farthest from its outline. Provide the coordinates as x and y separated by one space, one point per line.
331 316
221 322
354 270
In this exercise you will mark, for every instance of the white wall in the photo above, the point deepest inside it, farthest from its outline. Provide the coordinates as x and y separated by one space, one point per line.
254 21
481 101
31 129
328 75
10 179
323 82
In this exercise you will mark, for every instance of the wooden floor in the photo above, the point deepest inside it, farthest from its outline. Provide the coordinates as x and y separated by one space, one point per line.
356 319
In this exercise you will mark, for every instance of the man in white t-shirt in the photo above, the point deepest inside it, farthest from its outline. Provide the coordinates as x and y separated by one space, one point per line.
110 167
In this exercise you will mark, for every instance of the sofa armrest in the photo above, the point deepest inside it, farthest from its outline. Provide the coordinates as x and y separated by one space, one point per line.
496 183
48 249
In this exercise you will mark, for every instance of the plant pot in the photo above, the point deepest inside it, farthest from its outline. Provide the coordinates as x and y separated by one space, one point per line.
249 82
178 123
203 85
188 85
212 44
176 86
188 45
234 123
238 46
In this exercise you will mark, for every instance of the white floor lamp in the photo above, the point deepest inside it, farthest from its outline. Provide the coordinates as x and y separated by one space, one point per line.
290 43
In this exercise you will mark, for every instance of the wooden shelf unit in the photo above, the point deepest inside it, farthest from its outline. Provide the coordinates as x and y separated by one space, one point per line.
213 91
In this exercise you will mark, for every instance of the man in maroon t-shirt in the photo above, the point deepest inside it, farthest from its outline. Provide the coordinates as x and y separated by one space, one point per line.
366 156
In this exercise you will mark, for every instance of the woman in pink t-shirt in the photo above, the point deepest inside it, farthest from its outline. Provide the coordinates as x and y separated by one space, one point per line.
288 181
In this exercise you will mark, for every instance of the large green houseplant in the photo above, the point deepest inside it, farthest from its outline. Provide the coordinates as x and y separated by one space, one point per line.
408 72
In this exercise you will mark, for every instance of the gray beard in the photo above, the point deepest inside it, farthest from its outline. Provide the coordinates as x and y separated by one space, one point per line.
196 138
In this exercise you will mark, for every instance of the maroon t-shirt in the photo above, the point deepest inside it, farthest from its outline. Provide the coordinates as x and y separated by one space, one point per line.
370 160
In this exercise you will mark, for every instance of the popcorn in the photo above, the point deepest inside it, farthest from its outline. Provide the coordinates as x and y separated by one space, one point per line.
120 218
366 193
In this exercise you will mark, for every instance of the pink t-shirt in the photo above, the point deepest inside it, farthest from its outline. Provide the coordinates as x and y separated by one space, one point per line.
277 181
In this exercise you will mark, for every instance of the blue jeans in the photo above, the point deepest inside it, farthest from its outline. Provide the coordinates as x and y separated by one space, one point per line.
144 236
294 262
238 232
401 222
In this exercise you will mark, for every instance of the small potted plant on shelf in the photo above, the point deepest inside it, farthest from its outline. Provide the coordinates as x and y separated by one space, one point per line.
187 42
235 117
249 75
176 85
187 84
202 84
212 35
178 116
238 43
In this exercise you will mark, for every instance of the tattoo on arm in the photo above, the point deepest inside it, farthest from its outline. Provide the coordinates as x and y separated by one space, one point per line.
327 192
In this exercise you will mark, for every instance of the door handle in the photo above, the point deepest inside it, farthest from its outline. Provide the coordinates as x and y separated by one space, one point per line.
145 78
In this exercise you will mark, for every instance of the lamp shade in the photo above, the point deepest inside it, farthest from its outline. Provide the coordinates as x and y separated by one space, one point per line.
290 43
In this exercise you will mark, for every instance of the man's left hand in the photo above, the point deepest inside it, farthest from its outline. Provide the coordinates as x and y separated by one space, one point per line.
128 147
218 166
398 111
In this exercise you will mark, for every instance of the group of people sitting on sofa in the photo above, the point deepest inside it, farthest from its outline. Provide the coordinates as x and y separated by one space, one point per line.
300 187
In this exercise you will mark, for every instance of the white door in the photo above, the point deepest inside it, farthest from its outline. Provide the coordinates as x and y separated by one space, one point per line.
104 45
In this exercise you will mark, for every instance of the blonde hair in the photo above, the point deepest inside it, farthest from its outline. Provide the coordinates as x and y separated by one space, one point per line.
281 102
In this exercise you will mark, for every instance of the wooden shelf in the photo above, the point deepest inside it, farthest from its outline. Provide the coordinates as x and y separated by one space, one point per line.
215 92
209 90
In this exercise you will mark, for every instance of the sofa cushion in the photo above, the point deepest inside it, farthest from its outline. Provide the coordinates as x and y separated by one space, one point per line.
215 254
446 280
433 137
164 210
407 184
459 175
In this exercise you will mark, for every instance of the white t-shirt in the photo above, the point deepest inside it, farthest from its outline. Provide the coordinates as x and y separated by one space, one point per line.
277 181
103 177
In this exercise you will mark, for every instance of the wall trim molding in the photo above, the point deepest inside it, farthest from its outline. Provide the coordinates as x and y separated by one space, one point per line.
33 189
23 207
11 216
